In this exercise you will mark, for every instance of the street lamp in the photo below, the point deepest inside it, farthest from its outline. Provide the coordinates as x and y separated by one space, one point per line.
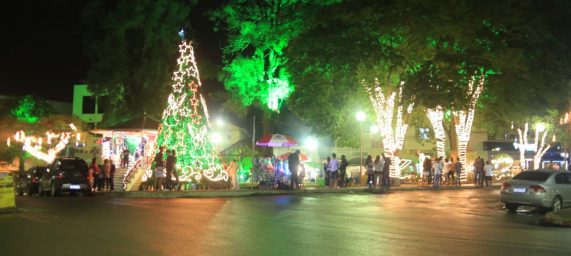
360 118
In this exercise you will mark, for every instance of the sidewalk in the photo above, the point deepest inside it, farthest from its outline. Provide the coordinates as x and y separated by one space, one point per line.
559 218
256 192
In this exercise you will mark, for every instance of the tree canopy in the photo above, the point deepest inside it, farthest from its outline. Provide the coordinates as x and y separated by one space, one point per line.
435 46
132 46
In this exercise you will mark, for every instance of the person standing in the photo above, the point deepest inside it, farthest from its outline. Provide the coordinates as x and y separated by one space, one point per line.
93 173
112 176
445 170
326 171
169 166
159 166
489 172
458 171
438 166
426 166
386 171
233 173
104 179
482 173
125 158
293 163
343 171
334 169
370 172
378 166
477 171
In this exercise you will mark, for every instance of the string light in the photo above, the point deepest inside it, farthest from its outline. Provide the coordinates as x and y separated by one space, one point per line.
436 117
185 124
33 144
465 120
393 131
541 149
522 144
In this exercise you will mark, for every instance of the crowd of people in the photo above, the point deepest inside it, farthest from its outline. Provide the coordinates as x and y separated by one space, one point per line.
438 171
165 170
100 177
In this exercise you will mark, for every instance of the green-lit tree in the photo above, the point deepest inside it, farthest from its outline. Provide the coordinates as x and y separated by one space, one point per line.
258 33
185 126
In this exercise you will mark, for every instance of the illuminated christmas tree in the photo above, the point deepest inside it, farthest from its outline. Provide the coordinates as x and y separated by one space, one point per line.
185 126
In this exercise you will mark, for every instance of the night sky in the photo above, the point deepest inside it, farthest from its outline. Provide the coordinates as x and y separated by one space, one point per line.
42 46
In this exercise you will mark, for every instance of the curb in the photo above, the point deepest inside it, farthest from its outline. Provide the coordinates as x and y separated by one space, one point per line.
246 192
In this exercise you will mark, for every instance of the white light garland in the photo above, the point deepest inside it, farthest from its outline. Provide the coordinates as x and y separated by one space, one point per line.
541 149
33 144
465 120
436 117
393 134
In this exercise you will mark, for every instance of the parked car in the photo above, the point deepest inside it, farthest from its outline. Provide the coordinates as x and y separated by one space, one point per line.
29 181
65 174
542 188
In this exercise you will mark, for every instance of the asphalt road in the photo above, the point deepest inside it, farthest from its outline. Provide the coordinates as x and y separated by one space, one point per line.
453 222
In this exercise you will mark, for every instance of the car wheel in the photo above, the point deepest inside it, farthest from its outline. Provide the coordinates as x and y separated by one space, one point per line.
511 207
54 191
557 204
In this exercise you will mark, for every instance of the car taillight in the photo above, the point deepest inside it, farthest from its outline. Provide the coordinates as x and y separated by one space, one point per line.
506 185
537 188
59 175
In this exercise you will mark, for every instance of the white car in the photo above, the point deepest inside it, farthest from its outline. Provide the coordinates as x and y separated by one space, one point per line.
542 188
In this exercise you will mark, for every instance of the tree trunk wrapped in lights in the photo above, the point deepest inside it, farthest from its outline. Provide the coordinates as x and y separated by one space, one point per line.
522 145
185 126
392 122
465 118
436 117
540 149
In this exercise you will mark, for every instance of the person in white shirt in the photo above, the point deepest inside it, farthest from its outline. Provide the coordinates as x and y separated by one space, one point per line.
334 170
438 166
489 169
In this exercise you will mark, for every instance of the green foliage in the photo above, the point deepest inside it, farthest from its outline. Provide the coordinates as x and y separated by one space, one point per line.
436 46
30 109
258 34
131 45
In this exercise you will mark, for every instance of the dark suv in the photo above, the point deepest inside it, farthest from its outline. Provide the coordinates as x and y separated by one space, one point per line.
29 181
65 174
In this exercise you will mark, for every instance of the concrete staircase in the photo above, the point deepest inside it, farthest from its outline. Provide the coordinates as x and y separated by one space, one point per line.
118 178
131 179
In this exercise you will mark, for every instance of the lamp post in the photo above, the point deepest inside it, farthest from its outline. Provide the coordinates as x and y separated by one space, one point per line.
360 118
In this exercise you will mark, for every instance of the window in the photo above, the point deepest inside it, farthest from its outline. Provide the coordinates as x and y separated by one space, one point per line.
88 105
561 178
532 176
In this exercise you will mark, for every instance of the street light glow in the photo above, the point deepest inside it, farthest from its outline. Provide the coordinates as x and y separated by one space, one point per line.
540 127
220 122
374 129
311 143
360 116
216 138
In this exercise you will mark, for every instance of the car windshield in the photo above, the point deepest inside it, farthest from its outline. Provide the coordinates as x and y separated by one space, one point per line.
532 176
73 165
39 171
